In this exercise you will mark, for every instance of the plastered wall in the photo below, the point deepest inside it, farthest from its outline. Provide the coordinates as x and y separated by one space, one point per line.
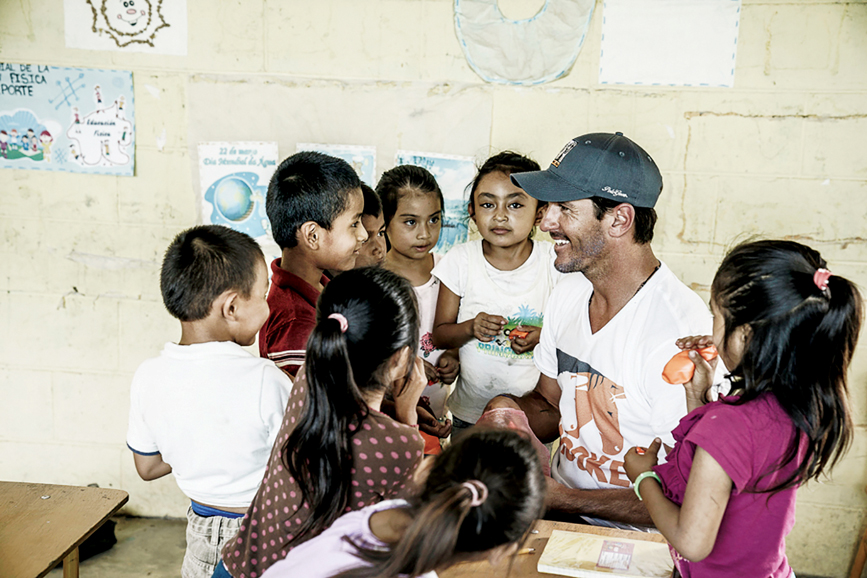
782 154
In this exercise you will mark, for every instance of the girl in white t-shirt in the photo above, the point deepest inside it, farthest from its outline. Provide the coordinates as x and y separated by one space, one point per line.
412 206
494 291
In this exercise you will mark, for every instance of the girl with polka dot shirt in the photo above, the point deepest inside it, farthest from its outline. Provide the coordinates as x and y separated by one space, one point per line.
336 451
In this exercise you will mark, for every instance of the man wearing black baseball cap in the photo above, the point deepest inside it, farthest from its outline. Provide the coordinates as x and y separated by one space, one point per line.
609 329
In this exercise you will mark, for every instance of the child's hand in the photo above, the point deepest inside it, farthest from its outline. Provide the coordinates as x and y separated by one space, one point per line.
528 343
701 381
430 372
448 367
430 424
406 394
694 341
635 462
486 327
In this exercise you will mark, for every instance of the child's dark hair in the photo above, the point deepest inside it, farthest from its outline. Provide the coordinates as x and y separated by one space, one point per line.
203 262
506 162
446 527
308 186
372 205
396 182
382 318
800 340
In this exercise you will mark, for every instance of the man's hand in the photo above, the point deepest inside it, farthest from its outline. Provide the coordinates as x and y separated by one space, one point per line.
448 367
486 327
528 343
639 460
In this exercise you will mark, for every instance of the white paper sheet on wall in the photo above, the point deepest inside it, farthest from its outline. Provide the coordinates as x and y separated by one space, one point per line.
453 174
669 42
361 158
151 26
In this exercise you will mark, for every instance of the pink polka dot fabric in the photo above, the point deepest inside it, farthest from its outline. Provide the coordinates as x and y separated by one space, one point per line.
385 454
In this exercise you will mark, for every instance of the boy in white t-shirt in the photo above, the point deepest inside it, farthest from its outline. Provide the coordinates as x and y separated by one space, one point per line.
206 410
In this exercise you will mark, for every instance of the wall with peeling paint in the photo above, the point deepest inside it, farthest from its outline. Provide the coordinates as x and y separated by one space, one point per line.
782 154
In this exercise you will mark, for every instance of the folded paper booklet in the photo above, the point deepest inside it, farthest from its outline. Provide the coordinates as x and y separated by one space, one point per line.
591 556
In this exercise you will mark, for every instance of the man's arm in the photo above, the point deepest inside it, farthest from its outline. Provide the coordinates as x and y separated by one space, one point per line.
542 407
543 413
615 505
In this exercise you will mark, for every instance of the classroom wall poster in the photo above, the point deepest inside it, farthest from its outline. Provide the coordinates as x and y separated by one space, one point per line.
361 158
453 174
234 180
150 26
67 119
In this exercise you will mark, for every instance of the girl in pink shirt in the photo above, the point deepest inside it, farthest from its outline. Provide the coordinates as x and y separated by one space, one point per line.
725 498
479 500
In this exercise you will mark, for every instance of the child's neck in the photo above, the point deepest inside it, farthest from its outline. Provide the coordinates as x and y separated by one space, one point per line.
205 330
390 525
507 258
297 261
416 271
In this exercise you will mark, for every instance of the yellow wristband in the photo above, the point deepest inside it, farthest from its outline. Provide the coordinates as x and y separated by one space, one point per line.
641 477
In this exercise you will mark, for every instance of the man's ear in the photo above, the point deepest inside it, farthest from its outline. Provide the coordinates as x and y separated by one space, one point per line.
540 213
622 220
310 235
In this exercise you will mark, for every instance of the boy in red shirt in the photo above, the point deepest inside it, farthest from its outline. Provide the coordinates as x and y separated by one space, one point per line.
315 206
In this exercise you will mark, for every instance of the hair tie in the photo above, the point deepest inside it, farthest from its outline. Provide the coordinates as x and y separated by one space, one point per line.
820 278
344 324
478 490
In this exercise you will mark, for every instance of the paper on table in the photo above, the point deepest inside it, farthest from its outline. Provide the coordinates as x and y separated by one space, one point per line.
590 555
669 42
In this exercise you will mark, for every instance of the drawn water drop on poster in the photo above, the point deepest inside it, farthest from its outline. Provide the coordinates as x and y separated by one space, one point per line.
67 119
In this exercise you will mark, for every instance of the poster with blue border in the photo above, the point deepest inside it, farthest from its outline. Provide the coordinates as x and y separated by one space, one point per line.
361 158
453 174
67 119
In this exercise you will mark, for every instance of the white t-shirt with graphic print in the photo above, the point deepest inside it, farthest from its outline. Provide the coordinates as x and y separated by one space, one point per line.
493 368
613 396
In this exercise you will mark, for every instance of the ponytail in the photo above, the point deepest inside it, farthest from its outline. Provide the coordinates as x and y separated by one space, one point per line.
802 335
484 491
364 316
333 405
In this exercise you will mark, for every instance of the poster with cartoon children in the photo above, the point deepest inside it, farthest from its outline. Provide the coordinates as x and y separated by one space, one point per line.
66 119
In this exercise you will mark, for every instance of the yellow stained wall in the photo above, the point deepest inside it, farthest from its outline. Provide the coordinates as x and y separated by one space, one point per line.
783 154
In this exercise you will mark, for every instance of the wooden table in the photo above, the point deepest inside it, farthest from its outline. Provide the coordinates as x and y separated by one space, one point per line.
525 564
41 524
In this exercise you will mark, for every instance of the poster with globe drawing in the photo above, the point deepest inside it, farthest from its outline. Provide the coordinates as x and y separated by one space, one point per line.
453 174
234 183
361 158
66 119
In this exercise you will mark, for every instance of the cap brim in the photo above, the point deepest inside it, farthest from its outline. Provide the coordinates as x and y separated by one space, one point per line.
546 186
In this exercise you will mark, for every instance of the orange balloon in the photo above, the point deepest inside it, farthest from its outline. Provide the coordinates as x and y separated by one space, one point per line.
680 368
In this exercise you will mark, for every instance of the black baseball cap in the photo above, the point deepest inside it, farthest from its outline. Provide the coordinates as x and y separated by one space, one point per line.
603 165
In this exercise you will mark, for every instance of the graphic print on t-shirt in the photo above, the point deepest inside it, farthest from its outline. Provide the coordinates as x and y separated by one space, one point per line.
590 400
501 345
